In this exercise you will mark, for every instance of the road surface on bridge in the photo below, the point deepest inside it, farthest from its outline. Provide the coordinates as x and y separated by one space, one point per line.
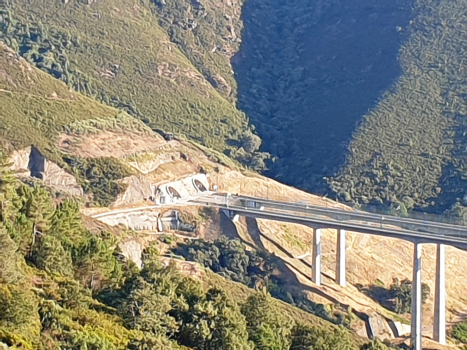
350 220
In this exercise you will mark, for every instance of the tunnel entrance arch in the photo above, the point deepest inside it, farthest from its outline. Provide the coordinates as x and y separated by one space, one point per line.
199 186
173 192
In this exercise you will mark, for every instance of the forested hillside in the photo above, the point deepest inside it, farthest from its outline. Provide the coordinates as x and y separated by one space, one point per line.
309 74
308 70
369 95
411 147
64 286
118 54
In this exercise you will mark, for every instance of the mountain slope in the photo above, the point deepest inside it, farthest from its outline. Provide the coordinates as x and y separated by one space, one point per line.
117 53
36 107
411 147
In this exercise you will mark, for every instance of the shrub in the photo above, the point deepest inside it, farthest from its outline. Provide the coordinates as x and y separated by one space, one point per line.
459 331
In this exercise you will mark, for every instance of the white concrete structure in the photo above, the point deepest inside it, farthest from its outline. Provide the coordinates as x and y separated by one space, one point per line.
317 256
185 188
439 325
416 231
341 258
416 322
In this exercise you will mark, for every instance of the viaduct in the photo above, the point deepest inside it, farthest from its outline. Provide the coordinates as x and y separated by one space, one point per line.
416 231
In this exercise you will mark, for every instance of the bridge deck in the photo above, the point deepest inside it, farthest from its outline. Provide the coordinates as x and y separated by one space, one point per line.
351 220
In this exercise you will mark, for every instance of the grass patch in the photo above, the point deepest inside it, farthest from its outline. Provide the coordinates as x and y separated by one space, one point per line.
291 238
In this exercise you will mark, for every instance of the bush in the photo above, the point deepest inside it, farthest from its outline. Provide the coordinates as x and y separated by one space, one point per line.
459 331
402 294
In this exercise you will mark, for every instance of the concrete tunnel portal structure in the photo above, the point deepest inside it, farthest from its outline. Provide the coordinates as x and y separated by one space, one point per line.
319 218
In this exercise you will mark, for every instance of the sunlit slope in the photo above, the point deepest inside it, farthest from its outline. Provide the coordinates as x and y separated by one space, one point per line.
35 107
208 33
115 52
411 147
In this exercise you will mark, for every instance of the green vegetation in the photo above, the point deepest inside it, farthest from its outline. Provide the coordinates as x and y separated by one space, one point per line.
207 32
121 123
398 297
99 177
308 70
459 332
257 269
62 286
36 108
410 147
127 61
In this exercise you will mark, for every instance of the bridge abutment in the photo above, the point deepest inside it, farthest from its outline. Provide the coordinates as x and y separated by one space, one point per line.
317 256
439 326
416 324
341 258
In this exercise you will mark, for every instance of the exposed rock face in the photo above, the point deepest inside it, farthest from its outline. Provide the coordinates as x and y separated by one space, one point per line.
20 161
31 162
379 327
138 190
132 251
138 220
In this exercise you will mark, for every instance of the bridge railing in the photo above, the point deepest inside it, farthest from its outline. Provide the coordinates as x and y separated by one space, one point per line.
395 211
421 216
373 216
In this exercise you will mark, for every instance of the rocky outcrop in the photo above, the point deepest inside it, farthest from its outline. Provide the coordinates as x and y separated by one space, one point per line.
132 250
138 189
30 162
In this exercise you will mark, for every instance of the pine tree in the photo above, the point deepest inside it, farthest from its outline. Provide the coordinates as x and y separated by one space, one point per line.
267 327
9 200
308 338
53 258
9 260
146 310
215 322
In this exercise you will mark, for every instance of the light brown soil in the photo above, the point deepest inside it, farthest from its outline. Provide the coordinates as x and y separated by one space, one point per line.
109 144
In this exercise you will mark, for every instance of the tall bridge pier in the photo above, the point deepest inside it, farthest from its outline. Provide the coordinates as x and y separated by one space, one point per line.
439 326
340 259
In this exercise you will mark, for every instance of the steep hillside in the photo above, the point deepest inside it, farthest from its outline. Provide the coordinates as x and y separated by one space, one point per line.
70 287
307 73
35 107
411 146
117 53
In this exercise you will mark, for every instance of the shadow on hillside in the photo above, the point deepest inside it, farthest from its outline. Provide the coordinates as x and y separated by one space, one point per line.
380 294
307 72
286 273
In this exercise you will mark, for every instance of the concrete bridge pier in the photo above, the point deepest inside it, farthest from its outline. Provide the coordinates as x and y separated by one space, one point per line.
416 323
317 256
341 258
439 326
231 215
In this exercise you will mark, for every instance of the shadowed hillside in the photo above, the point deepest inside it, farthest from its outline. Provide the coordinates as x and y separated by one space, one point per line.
308 70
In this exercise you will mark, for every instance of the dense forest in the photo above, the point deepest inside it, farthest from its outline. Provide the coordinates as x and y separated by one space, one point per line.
63 286
308 71
411 146
366 95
